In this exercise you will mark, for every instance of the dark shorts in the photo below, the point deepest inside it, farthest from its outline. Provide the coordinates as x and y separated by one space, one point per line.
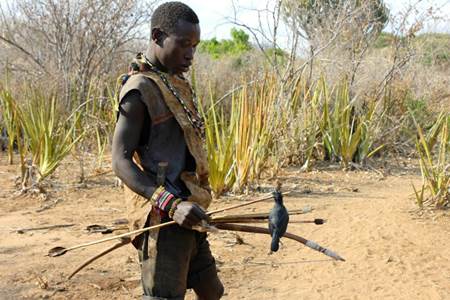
183 261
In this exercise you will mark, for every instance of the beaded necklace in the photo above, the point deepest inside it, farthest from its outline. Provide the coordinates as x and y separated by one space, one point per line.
194 117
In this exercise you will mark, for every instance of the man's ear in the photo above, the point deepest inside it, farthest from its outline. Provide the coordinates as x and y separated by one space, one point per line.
158 36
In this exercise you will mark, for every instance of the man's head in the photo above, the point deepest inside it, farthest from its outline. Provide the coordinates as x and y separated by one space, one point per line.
175 34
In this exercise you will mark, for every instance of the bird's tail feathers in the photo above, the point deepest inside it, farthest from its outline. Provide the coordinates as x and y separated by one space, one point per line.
275 244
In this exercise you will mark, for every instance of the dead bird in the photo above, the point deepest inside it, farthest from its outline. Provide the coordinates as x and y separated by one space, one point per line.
278 220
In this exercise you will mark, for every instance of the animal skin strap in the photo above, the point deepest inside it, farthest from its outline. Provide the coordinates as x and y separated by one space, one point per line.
194 117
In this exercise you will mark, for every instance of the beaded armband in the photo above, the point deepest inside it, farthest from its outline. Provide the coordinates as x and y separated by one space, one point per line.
165 200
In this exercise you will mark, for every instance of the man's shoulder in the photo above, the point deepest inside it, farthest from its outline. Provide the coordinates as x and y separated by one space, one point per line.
141 83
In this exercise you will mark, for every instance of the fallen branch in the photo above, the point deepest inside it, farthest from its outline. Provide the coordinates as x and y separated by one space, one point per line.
48 206
23 230
98 174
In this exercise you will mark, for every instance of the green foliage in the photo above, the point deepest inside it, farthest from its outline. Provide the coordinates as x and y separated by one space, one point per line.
419 111
385 39
220 145
49 135
239 141
258 131
98 115
435 167
255 118
238 44
45 131
40 129
10 122
435 48
278 55
348 135
300 124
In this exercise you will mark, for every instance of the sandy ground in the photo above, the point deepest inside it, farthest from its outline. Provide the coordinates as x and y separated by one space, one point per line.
392 250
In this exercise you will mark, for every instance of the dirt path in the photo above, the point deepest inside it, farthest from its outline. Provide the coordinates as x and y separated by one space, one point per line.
391 252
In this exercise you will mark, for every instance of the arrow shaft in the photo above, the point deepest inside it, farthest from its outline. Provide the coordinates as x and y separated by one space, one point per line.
127 234
307 243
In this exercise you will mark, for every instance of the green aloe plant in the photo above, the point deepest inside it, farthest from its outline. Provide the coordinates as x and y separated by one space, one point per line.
50 136
435 167
220 147
348 134
9 114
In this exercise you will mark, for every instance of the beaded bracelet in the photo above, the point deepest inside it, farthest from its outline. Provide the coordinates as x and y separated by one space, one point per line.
163 199
155 195
174 207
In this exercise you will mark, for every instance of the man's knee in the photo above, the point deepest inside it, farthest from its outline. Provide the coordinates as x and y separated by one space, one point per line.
220 290
210 291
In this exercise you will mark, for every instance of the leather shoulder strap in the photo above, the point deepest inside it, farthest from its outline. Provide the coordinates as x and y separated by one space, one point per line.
150 92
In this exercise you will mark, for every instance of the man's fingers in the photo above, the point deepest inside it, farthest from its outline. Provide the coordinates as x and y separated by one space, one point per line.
185 222
189 214
192 219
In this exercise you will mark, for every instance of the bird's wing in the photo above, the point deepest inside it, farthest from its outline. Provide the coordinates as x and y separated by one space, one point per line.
271 226
284 220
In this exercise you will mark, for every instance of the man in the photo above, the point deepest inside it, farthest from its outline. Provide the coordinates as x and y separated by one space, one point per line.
158 123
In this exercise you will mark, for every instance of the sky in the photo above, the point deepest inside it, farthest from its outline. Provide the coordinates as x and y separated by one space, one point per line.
214 14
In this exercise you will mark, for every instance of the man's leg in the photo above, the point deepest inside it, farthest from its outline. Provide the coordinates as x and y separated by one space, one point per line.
164 276
203 273
211 289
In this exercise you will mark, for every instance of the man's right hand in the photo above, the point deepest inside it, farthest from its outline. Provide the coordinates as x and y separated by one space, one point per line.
188 214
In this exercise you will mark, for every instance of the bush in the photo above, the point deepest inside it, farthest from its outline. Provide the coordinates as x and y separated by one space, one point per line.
435 167
238 44
435 49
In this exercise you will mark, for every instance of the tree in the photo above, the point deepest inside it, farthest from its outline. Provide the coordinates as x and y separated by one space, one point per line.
354 24
317 19
69 41
239 43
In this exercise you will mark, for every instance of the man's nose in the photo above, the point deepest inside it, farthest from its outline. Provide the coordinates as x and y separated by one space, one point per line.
189 55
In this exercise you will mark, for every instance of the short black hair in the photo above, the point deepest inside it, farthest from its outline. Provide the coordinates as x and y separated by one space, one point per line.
168 14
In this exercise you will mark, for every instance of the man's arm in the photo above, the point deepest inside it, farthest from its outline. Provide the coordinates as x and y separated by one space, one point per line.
125 142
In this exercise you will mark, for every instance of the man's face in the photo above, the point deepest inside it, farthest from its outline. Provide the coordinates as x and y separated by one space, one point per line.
178 48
